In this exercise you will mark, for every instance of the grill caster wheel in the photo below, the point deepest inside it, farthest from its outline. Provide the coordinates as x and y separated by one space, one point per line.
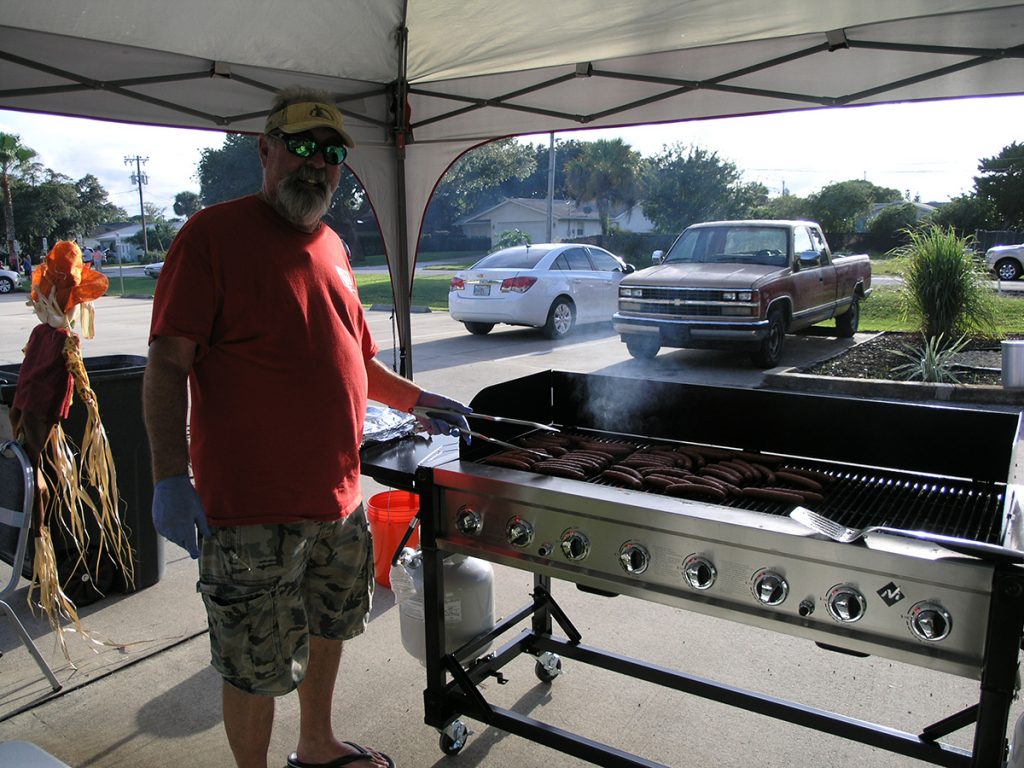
548 667
454 737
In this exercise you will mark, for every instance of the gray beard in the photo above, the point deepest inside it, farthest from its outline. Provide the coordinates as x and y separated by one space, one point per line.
301 204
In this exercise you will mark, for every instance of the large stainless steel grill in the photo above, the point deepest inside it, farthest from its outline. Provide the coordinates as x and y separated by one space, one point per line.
740 556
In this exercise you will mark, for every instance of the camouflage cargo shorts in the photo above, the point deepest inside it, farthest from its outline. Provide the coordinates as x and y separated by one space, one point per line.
268 587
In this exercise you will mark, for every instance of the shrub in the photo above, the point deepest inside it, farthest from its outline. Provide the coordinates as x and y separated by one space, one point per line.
932 363
511 237
944 289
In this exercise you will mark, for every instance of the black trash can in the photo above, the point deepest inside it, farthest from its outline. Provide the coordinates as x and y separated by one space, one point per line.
117 382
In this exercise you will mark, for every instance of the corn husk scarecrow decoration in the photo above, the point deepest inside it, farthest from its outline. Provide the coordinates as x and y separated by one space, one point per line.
77 494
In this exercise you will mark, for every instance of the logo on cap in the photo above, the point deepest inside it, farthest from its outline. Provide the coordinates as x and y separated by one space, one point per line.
319 112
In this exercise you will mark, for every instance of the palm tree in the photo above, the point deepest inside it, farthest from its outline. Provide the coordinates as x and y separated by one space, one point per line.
15 159
606 172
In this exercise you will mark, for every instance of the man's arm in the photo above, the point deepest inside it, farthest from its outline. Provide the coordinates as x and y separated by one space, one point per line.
387 387
165 404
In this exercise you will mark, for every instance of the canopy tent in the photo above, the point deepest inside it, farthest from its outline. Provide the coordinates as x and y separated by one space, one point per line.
468 72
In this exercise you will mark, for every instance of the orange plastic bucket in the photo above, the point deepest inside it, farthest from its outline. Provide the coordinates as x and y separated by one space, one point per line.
389 514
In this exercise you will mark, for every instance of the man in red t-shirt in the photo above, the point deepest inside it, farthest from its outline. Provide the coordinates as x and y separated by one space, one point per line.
256 317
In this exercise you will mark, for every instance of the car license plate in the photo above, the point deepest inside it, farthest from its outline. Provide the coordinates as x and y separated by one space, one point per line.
481 290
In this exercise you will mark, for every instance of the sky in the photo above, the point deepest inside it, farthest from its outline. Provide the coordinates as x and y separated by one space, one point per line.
928 150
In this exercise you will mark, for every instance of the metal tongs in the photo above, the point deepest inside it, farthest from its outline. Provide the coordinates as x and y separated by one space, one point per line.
425 411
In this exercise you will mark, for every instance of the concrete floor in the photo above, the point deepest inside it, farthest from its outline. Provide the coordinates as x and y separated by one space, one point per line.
154 701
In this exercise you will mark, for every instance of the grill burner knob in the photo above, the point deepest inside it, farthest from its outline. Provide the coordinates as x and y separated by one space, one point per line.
770 588
634 558
519 532
575 546
468 522
930 621
699 572
845 604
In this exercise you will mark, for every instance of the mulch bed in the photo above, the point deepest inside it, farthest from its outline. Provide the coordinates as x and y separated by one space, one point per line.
980 362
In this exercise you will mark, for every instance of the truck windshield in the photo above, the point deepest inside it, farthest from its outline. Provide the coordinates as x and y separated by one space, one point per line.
767 246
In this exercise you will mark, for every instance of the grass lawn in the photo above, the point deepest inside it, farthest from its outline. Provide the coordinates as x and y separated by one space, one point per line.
881 312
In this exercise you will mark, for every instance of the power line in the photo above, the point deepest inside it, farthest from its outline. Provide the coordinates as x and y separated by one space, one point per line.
140 178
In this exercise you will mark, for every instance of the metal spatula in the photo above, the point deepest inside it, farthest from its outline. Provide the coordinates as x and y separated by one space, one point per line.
846 535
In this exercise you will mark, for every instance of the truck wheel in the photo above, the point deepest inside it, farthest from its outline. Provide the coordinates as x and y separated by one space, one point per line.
479 329
846 323
6 285
1008 269
642 347
770 351
561 319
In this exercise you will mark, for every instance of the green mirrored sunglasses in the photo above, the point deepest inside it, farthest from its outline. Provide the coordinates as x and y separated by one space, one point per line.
305 146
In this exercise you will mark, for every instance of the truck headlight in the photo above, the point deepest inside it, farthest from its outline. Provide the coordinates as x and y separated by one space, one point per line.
627 292
736 295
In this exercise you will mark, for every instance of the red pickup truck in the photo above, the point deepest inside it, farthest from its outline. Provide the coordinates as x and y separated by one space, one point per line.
743 284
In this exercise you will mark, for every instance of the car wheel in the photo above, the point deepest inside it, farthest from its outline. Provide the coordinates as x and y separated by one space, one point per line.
6 285
846 323
770 351
1008 269
561 319
642 347
479 329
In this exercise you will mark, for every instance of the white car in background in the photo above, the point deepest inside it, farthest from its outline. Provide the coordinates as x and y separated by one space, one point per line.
549 286
153 270
1007 261
10 281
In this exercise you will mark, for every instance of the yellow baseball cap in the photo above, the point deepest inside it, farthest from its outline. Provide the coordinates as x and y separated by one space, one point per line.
304 115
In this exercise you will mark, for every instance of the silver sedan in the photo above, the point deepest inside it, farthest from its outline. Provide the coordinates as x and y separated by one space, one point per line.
549 286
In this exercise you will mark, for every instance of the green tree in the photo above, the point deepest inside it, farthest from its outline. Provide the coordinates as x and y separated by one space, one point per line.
476 180
229 172
892 226
186 203
838 206
784 206
607 171
684 185
53 207
15 161
1002 184
966 214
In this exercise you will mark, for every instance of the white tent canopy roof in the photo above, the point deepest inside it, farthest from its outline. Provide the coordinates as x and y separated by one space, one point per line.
471 71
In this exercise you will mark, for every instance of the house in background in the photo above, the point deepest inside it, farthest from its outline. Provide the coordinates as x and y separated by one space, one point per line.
530 215
114 238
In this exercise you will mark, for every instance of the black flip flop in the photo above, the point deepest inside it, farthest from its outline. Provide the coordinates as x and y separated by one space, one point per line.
361 754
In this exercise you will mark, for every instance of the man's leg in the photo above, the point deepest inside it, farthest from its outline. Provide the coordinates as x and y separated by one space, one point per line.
317 742
248 720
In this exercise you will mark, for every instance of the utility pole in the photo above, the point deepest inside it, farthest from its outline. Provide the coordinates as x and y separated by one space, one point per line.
551 189
140 178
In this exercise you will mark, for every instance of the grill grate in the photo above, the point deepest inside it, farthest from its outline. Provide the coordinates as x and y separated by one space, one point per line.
864 497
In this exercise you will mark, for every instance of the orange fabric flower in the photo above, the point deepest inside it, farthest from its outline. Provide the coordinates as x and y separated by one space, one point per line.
64 270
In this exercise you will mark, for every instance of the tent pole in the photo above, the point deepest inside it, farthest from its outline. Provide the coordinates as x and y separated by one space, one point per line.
401 283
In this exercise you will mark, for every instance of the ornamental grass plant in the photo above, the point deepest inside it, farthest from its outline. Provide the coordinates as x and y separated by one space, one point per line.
945 291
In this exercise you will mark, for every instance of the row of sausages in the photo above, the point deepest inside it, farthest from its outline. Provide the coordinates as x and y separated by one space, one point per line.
694 472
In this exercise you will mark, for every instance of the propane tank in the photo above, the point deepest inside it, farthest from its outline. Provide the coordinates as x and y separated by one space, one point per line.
468 600
1017 745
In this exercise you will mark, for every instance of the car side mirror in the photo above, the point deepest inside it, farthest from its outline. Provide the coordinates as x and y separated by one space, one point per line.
657 257
628 269
808 259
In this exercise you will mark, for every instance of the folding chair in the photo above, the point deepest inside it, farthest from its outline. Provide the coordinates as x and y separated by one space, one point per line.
17 490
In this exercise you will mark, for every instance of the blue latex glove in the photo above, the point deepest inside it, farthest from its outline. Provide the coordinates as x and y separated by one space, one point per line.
453 423
178 512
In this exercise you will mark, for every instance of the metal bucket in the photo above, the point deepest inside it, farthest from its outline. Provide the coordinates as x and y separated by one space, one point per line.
1013 364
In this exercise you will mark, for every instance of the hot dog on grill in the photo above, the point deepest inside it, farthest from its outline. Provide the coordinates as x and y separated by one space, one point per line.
695 491
773 494
621 478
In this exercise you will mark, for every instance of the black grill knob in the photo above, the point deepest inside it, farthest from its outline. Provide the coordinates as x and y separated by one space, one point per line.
518 532
770 588
930 621
845 604
468 522
634 558
575 546
699 572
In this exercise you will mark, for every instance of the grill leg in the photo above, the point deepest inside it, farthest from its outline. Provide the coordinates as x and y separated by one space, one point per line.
998 678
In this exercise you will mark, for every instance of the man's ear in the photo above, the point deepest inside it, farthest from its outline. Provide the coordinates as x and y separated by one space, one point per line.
264 149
